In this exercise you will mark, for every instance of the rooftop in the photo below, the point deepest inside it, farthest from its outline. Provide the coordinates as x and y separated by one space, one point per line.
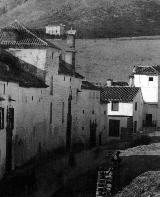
89 86
121 94
17 35
147 70
65 69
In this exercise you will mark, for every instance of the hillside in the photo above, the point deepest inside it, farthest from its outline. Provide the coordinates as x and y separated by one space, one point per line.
100 59
92 18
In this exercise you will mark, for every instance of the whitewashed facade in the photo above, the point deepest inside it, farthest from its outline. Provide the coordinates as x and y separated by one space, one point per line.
55 29
124 107
147 78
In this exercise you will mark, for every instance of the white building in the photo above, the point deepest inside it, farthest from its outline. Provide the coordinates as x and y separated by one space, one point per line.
22 99
147 78
56 30
124 110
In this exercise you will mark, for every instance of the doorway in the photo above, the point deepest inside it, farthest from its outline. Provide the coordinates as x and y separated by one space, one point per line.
114 126
148 120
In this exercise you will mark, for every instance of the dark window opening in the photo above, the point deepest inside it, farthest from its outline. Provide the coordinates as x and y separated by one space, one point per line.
136 106
51 86
104 112
115 106
50 113
4 89
82 128
1 118
32 98
83 111
93 112
150 78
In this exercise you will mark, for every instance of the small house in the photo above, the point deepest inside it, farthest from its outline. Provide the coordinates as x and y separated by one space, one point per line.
124 107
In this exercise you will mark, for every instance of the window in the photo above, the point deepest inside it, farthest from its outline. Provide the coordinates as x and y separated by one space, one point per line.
83 111
92 111
32 98
4 89
50 113
136 106
104 112
150 78
115 106
82 128
63 112
51 86
1 118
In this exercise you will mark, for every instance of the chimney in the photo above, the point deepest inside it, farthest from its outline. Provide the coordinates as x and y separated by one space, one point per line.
131 80
71 36
109 82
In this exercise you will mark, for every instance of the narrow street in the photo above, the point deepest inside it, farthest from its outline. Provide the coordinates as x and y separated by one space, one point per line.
55 179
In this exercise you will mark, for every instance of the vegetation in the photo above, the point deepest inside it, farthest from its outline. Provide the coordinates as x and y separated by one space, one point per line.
92 18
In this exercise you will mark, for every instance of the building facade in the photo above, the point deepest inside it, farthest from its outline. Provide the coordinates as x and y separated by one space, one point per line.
124 109
56 30
147 78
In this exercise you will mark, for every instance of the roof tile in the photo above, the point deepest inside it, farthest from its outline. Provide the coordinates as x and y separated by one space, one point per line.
121 94
24 38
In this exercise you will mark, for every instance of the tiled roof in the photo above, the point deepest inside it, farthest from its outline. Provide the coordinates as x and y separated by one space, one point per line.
157 68
121 94
147 70
88 85
65 69
23 38
11 70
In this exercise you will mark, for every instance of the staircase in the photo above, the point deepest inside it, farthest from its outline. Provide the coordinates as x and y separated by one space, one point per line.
104 183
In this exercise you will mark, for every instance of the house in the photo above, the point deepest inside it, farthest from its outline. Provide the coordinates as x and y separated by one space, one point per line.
124 107
87 116
147 78
43 59
56 30
21 103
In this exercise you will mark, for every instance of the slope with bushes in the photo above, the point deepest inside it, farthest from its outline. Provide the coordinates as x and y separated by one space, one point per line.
92 18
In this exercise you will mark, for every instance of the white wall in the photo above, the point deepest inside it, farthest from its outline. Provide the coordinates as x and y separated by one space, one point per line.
138 114
125 109
55 30
149 88
36 57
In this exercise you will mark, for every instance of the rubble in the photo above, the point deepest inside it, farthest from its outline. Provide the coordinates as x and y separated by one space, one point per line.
152 149
145 185
148 183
